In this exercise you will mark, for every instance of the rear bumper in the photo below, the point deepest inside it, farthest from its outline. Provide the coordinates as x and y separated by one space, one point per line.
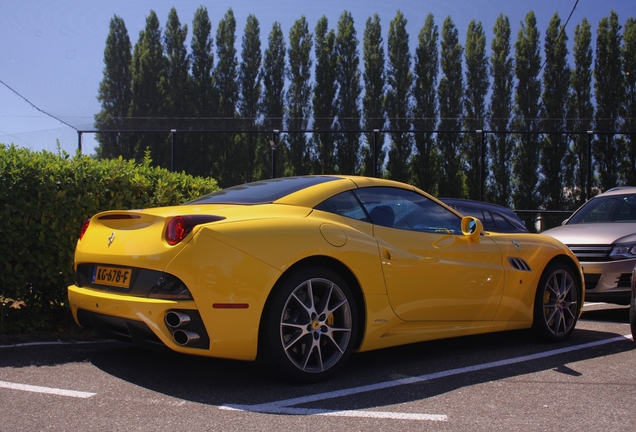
126 330
139 333
141 320
135 319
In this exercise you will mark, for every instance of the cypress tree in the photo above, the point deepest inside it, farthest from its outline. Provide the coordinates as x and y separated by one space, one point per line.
226 156
299 97
273 106
628 168
324 97
556 86
425 164
204 106
477 85
202 66
609 91
580 112
398 98
450 93
250 90
349 89
175 85
114 93
374 94
500 144
526 112
148 70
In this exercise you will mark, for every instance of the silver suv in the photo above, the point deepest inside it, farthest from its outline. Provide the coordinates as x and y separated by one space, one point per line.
602 235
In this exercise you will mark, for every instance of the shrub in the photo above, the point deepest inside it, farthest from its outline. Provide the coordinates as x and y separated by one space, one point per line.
44 199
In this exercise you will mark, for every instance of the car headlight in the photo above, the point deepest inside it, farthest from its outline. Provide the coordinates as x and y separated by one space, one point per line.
623 251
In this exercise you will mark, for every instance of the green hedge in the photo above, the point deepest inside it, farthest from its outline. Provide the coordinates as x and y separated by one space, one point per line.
44 199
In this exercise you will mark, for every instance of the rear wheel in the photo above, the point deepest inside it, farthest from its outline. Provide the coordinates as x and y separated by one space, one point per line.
308 327
556 305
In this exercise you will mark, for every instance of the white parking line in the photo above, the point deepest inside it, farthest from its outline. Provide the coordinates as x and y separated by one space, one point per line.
276 409
47 390
285 406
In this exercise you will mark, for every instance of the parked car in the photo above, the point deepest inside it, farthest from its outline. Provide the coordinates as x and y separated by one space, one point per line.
494 217
299 272
602 235
632 306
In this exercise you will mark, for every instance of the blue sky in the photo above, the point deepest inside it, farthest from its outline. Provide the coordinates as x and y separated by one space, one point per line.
51 51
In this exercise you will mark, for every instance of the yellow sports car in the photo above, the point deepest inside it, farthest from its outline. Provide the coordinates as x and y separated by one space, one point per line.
299 272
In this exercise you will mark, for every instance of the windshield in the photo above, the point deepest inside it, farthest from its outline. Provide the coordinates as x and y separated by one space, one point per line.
604 209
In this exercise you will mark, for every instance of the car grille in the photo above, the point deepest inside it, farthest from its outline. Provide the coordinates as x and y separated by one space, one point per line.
591 253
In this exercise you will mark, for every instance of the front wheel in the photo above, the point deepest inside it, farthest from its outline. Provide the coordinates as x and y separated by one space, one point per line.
556 305
308 327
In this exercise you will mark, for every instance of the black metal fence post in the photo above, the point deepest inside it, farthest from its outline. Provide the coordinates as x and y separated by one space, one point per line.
482 164
173 132
376 132
273 144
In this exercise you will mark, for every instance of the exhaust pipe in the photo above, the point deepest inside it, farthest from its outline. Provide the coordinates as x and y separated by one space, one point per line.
185 338
176 320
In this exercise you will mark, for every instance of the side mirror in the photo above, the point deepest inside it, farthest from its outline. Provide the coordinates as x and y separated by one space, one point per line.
472 227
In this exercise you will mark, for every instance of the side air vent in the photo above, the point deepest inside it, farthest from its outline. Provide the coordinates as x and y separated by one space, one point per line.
519 264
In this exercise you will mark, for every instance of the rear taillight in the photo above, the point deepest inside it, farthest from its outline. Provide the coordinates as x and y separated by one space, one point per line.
84 228
179 227
176 230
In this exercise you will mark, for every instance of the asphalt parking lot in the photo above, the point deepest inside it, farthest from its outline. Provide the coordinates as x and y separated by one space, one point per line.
504 381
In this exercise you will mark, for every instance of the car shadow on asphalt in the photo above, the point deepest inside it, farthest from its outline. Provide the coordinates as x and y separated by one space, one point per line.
218 382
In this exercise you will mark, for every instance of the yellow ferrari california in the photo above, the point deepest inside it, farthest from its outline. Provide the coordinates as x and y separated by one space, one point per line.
300 272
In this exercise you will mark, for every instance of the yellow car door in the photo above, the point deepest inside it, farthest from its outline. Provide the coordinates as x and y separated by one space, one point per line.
433 271
440 277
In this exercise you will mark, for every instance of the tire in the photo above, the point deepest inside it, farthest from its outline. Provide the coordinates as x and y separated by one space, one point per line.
556 304
308 326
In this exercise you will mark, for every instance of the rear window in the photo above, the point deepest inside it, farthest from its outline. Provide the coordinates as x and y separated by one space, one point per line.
261 192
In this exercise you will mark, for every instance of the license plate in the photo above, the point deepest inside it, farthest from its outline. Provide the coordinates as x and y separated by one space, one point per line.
119 277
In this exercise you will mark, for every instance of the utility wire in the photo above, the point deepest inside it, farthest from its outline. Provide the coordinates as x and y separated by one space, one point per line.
560 34
30 103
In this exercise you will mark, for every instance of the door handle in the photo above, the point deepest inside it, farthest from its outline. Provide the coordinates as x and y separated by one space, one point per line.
386 254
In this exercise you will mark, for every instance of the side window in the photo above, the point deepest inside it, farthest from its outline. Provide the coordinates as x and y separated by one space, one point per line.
344 204
484 216
503 224
489 221
407 210
471 211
